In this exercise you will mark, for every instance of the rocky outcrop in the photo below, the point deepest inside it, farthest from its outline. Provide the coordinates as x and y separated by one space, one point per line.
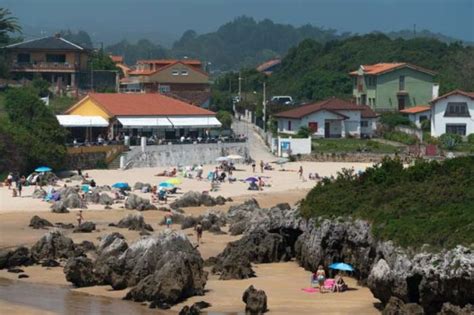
64 225
135 222
140 186
39 223
59 207
80 272
450 309
105 199
255 301
195 309
196 199
17 257
39 193
134 202
210 220
395 306
231 267
85 227
53 245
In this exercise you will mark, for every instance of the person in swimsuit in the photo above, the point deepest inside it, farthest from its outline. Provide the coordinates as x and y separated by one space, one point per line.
198 229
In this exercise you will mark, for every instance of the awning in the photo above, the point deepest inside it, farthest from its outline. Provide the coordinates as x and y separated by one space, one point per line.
81 121
195 122
144 122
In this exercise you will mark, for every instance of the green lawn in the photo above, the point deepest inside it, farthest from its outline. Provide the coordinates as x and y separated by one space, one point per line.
59 104
2 105
347 145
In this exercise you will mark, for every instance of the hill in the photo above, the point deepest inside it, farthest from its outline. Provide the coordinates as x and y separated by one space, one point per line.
428 203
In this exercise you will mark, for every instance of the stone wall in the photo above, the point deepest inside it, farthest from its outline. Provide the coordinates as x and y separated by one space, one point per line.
353 157
85 161
182 154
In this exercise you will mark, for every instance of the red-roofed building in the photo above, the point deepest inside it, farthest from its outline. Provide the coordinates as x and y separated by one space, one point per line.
331 118
417 114
393 86
166 75
139 114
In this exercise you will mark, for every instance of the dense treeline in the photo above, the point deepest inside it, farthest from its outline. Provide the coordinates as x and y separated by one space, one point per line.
428 203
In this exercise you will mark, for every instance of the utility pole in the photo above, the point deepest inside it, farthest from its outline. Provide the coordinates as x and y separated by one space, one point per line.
264 107
240 87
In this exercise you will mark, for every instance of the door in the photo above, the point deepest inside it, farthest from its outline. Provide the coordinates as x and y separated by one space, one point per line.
401 102
327 127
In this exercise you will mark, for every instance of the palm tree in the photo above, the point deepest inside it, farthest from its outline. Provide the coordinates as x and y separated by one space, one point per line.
8 24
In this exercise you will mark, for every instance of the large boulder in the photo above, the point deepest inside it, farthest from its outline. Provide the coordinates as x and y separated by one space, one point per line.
80 272
196 199
255 301
135 222
93 197
73 201
53 245
195 309
450 309
229 268
39 223
59 207
39 193
85 227
111 246
134 202
105 199
17 257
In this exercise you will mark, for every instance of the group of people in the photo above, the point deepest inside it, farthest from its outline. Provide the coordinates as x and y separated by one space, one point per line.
15 183
263 166
319 279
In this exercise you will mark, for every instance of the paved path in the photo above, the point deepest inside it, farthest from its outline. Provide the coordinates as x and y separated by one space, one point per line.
257 148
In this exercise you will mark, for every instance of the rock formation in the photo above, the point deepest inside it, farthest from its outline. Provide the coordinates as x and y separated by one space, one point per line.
255 301
39 223
16 257
196 199
53 245
80 272
135 222
134 202
85 227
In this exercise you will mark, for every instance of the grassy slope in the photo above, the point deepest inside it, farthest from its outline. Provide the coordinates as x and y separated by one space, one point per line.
351 145
430 203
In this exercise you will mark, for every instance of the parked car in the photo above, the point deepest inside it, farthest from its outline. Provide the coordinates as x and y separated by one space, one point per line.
282 100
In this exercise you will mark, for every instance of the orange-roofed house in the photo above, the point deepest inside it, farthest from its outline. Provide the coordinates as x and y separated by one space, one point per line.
393 86
165 76
417 114
136 114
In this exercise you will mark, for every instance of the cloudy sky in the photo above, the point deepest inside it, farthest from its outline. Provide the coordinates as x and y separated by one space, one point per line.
168 19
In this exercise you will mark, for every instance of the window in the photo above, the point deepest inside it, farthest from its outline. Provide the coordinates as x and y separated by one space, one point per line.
289 125
184 72
59 58
175 72
23 58
457 110
401 102
364 124
164 89
423 118
459 129
313 127
401 83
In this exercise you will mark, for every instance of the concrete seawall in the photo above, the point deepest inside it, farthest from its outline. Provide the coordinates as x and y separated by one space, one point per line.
182 154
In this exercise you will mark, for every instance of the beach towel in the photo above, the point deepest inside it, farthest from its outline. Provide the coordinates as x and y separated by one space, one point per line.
310 290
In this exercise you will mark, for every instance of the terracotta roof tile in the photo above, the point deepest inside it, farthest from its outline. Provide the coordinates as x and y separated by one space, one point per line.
454 92
169 61
380 68
116 59
331 104
150 104
416 109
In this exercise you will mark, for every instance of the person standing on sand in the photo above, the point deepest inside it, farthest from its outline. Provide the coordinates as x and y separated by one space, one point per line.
168 220
321 277
253 166
261 166
300 172
198 229
79 217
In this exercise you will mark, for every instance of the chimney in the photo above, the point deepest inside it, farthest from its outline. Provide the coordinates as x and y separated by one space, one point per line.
435 91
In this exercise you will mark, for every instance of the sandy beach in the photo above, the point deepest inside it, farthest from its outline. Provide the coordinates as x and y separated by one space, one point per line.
281 281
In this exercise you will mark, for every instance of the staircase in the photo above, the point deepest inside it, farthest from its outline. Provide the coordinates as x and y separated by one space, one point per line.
115 163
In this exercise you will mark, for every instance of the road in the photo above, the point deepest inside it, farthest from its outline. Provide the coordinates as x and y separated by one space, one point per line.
257 148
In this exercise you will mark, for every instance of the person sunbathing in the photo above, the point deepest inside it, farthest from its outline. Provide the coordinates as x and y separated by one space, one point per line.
339 285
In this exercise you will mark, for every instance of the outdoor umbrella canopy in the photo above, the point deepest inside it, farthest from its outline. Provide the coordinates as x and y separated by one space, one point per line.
251 179
281 161
221 159
341 266
166 185
235 157
120 185
174 181
42 169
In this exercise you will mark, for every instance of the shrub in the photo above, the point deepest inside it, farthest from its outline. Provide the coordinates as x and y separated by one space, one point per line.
303 132
391 120
426 125
450 140
225 118
470 138
399 136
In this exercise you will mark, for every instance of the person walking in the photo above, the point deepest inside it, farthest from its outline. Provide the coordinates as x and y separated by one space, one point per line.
253 166
79 217
168 221
19 184
300 172
262 165
198 229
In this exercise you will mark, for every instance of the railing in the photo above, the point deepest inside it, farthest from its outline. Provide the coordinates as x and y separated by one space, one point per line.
111 151
44 66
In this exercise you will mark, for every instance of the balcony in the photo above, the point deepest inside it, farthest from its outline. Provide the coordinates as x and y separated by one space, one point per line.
44 67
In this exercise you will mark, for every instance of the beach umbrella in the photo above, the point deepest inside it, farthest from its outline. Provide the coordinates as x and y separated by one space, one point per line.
174 181
251 179
166 185
341 266
43 169
235 157
221 159
121 185
281 161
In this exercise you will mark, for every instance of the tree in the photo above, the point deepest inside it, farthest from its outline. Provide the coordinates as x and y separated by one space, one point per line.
8 24
102 61
225 118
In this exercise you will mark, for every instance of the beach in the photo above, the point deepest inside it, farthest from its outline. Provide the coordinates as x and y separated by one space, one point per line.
281 281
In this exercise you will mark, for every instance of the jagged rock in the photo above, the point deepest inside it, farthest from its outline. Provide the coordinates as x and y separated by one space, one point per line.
73 201
39 193
238 228
17 257
85 227
64 225
23 275
255 301
195 309
395 306
59 207
103 188
211 261
239 216
450 309
105 199
80 271
176 217
53 245
138 186
283 206
233 268
216 229
208 220
15 270
135 222
39 223
93 197
134 202
220 200
49 263
195 199
188 222
76 178
110 247
144 233
87 246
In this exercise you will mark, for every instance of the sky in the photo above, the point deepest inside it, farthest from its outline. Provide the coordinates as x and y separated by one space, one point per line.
165 20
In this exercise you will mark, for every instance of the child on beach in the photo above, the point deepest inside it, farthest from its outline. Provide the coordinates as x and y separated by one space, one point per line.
79 217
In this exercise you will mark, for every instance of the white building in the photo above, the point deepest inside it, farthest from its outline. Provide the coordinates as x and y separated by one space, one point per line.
331 118
453 113
417 114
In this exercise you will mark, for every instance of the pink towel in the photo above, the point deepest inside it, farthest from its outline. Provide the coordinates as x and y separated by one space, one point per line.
310 290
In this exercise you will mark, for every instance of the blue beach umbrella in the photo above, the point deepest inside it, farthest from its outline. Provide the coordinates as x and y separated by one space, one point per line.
43 169
341 266
121 185
251 179
166 185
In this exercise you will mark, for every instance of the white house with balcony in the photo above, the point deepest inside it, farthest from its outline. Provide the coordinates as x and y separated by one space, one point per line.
331 118
453 113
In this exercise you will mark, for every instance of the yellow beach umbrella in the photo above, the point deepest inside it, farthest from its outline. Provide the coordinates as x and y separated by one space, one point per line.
174 181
